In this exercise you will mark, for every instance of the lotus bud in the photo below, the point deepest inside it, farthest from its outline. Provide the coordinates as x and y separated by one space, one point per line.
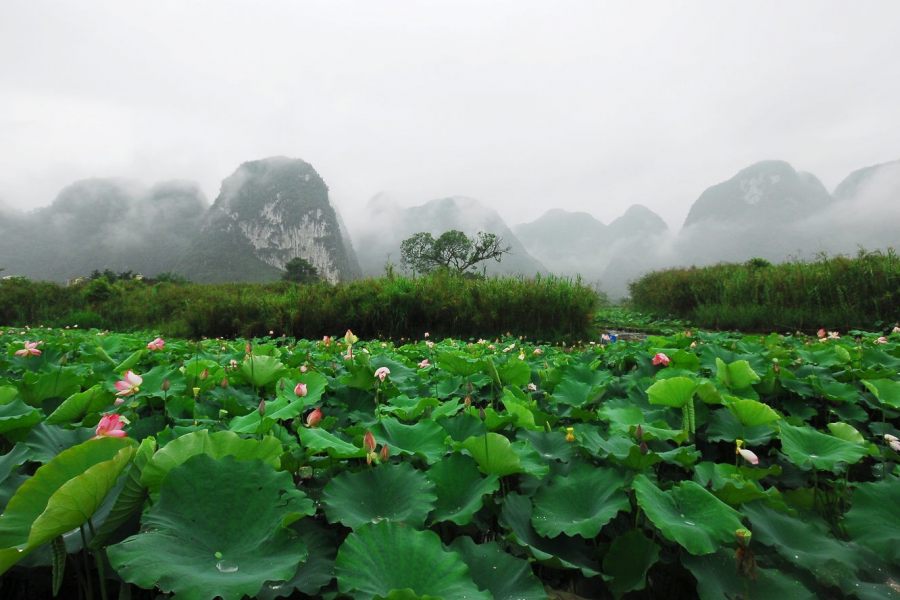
281 385
303 369
165 385
204 374
300 389
469 387
262 407
369 442
644 448
224 383
481 414
314 417
468 402
384 454
639 433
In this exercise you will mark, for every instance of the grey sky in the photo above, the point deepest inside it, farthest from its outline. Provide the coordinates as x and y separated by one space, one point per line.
587 106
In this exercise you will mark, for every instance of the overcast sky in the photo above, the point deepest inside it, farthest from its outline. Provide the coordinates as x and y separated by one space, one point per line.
587 106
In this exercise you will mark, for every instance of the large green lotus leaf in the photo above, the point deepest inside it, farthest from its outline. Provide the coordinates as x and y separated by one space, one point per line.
580 503
846 432
886 390
62 495
550 445
18 415
836 391
389 492
13 459
804 542
723 426
83 403
460 364
47 441
216 445
131 499
409 408
218 529
561 552
688 515
514 372
34 388
460 489
493 454
737 375
317 571
573 393
628 560
8 393
522 414
675 391
319 440
260 371
492 569
751 413
874 517
425 438
804 445
529 459
381 557
717 578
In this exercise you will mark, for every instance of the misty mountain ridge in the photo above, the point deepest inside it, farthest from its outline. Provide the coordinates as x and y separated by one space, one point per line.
269 211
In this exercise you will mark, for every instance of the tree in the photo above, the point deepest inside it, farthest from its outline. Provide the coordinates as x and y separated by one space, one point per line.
299 270
452 250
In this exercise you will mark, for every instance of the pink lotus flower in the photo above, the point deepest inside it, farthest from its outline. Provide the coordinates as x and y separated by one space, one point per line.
110 426
821 333
661 359
427 334
537 351
326 339
881 340
833 335
313 418
156 344
532 387
129 385
30 349
382 373
300 389
424 364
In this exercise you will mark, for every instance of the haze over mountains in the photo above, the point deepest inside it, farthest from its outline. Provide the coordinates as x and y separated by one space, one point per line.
270 211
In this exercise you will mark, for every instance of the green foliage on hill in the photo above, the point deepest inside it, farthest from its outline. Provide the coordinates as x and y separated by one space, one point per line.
391 307
836 293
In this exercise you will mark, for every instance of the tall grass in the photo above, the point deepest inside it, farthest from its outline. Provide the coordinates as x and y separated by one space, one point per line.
839 292
546 308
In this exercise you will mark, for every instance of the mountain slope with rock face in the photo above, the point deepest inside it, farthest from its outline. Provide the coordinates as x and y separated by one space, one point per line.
267 213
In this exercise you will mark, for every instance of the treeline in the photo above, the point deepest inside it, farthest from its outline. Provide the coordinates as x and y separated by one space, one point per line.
839 293
547 308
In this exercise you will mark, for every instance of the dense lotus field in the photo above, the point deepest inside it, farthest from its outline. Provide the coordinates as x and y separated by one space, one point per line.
707 465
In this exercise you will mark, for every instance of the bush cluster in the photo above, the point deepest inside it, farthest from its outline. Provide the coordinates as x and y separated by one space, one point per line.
546 308
838 292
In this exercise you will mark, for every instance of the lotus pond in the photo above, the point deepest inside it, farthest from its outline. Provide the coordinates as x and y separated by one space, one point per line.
708 465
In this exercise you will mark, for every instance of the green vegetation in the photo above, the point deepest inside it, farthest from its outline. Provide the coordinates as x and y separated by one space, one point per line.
832 292
391 307
452 250
298 270
708 466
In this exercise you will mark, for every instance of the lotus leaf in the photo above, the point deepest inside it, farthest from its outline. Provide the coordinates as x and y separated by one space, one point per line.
379 558
580 503
460 489
805 445
688 515
492 569
218 529
874 517
389 492
628 560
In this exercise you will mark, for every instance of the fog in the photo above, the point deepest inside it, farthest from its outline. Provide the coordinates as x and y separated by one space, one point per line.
523 105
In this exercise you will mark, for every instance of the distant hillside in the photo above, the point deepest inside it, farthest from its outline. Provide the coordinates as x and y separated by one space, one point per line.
387 225
268 212
102 224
